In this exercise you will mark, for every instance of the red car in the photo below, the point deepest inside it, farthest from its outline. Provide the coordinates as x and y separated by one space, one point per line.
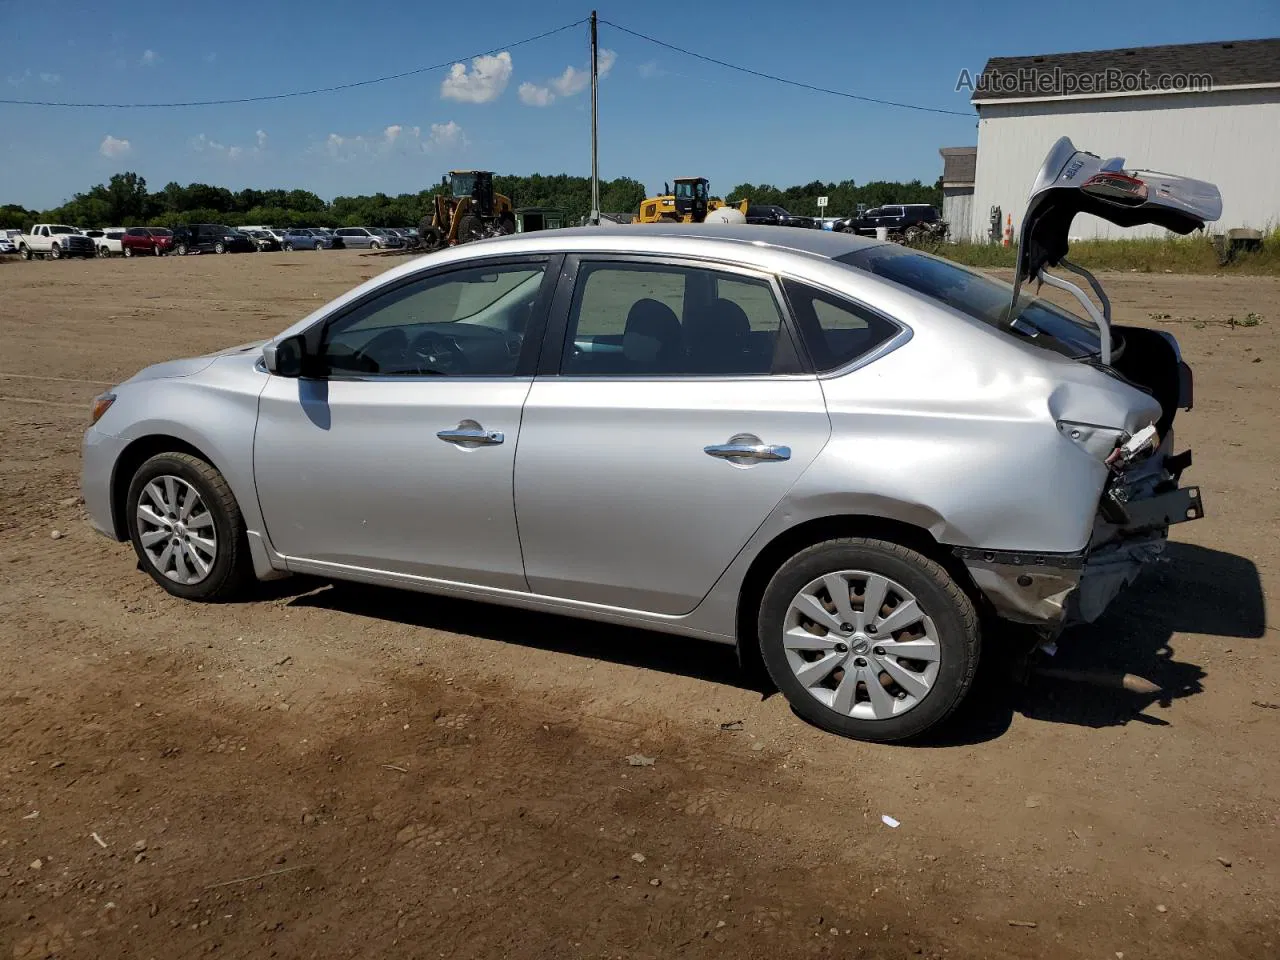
153 240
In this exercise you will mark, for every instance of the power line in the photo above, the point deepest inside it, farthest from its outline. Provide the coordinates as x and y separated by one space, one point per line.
777 79
300 93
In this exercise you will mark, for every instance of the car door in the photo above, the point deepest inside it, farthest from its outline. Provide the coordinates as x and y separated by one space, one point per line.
395 454
670 417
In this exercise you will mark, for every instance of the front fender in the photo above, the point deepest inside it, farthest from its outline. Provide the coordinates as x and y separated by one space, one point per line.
215 412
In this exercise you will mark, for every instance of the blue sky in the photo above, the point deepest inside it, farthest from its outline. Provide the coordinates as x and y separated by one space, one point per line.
661 114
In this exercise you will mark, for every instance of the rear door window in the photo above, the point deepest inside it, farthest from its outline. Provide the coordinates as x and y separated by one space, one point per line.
637 319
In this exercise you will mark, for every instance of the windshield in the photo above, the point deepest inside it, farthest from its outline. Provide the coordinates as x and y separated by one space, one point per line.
688 189
464 184
978 296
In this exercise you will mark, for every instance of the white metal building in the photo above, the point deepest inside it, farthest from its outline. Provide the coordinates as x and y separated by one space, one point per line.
1226 130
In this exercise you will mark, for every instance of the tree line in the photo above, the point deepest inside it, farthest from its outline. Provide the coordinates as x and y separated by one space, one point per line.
126 201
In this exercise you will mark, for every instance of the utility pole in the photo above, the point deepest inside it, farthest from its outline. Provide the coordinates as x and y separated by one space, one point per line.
595 147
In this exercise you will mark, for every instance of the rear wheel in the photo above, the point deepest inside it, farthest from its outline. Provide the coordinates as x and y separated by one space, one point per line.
128 252
868 639
181 249
375 245
219 247
187 529
288 248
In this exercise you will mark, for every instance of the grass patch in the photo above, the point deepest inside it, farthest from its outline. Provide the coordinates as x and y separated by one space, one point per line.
1193 254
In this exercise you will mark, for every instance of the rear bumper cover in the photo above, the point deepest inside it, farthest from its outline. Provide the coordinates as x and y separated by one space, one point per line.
1054 591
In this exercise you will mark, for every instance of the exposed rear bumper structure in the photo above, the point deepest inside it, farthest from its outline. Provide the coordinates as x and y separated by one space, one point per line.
1055 591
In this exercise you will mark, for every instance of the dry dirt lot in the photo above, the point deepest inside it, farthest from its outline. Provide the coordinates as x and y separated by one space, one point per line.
337 771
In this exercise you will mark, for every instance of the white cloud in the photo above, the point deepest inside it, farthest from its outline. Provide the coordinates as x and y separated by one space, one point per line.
149 58
18 79
649 69
210 57
535 96
445 136
391 133
485 82
570 83
114 147
203 144
50 77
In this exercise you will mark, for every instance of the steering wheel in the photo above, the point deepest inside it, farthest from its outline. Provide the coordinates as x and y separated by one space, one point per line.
436 353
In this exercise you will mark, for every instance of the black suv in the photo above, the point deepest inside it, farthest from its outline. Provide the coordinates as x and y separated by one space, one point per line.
775 216
906 221
210 238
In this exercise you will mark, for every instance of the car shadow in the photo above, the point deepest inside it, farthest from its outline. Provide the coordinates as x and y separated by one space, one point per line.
1103 674
683 656
1112 672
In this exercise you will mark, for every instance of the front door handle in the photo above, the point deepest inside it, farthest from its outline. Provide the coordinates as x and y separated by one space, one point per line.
763 452
471 434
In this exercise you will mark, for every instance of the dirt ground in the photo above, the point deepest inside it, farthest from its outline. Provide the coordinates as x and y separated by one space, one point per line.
338 771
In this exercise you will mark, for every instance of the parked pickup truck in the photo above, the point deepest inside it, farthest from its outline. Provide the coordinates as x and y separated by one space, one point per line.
55 240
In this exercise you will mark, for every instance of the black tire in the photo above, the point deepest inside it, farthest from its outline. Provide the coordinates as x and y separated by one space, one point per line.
181 249
232 569
219 247
469 228
288 248
947 605
507 225
374 245
128 252
56 252
103 252
157 252
24 252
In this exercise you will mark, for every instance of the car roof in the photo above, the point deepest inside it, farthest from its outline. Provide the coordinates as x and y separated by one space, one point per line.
656 237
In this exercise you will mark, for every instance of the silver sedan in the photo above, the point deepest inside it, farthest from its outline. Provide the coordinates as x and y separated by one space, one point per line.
831 451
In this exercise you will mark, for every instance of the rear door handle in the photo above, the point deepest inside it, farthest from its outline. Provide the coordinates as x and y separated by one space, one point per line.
764 452
472 436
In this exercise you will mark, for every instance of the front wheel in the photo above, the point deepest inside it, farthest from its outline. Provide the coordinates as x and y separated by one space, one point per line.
288 248
869 639
187 529
56 252
104 252
157 252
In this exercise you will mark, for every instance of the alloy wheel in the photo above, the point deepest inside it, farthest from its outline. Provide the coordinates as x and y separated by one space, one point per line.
176 529
861 644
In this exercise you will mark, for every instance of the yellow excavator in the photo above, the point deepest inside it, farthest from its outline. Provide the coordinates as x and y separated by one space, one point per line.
469 211
689 202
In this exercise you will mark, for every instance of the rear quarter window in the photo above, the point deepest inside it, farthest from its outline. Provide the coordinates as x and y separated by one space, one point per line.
836 331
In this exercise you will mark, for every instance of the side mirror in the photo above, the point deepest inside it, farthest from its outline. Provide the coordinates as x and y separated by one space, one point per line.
284 358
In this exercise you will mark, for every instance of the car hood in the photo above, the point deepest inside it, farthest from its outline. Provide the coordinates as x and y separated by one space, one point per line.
1074 181
189 366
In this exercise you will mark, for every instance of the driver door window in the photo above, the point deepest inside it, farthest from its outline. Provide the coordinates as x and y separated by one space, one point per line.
470 322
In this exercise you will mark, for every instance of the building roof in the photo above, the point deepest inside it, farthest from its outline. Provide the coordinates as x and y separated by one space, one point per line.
958 166
1231 63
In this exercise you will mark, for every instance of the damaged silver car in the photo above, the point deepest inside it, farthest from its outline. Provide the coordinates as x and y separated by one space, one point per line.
846 457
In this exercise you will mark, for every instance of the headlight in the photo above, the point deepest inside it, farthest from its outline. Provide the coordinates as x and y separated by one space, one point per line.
101 404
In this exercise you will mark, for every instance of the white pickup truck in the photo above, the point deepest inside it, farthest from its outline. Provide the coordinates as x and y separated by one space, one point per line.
55 240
